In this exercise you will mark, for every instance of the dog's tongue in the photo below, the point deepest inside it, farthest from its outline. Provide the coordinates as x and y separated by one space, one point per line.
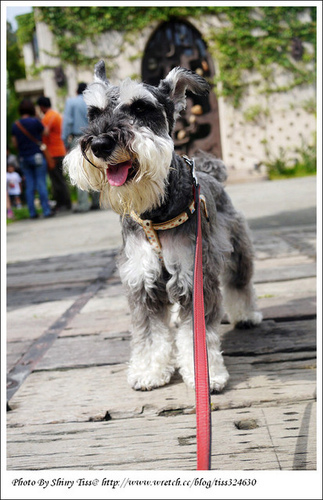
117 174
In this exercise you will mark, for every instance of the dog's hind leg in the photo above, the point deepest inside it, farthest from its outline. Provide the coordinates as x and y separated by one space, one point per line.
238 292
218 374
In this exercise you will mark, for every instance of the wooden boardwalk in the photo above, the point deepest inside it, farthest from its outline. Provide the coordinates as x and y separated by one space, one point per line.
75 411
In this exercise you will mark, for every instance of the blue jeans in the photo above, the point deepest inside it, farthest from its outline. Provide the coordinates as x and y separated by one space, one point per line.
35 171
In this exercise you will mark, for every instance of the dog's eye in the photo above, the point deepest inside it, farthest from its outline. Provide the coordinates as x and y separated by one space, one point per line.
140 107
93 112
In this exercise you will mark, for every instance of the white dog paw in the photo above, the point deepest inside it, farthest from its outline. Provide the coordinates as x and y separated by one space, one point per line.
189 380
218 382
253 319
188 376
146 381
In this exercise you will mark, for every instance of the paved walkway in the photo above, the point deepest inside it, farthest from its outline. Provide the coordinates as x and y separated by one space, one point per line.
68 345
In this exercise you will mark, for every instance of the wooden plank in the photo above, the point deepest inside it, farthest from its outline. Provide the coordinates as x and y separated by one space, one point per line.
284 242
109 305
276 301
242 440
137 444
30 322
39 348
275 308
271 337
72 262
99 322
53 277
282 262
81 382
304 241
15 350
58 274
28 297
285 292
293 434
91 350
270 244
57 271
102 348
106 313
285 273
83 394
284 268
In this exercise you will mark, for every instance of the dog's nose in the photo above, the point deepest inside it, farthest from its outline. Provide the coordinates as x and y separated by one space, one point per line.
102 147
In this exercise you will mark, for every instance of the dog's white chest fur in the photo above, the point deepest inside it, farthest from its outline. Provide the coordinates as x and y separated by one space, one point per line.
143 266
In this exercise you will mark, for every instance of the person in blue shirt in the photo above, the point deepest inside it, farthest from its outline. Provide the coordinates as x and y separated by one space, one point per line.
75 120
31 159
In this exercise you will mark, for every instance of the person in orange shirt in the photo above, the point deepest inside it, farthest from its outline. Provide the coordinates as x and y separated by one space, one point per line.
52 137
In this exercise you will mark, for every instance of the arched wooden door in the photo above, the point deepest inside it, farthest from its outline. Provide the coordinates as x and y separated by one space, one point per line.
178 43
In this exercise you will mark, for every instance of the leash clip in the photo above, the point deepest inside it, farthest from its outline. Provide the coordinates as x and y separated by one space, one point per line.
196 182
191 164
196 187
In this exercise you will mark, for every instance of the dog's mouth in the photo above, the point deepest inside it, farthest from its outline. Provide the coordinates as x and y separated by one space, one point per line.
119 173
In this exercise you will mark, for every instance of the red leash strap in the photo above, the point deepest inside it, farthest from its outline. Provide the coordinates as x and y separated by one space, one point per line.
202 387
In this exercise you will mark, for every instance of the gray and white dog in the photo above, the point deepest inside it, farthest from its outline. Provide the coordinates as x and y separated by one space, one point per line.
127 154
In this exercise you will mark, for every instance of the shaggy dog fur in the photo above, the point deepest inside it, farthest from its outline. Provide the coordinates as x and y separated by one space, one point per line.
127 154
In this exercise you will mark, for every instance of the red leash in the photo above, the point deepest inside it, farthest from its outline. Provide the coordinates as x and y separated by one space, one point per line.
202 387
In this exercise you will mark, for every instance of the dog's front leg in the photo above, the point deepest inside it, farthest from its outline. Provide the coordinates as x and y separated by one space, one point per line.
218 374
152 354
152 348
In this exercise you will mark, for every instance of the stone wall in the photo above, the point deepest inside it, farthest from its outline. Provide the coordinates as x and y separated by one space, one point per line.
258 130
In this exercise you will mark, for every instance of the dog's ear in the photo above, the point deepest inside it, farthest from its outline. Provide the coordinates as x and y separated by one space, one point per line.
100 73
95 95
178 81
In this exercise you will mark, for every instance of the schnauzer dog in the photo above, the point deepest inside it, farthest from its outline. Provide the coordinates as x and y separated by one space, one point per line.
128 155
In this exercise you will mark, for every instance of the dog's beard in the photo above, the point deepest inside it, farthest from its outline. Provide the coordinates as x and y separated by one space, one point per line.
151 155
147 189
119 155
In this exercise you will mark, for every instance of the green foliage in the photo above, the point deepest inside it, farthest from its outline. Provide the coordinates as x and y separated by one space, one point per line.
279 166
307 157
256 43
15 62
15 71
309 105
20 214
89 21
304 162
73 25
256 114
26 28
251 45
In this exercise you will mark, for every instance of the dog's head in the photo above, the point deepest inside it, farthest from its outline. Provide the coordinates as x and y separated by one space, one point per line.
126 151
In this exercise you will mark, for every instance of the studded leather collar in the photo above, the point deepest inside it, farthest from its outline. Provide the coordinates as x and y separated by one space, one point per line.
150 228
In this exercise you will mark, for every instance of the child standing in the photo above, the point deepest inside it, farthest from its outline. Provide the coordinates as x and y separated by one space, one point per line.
13 185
